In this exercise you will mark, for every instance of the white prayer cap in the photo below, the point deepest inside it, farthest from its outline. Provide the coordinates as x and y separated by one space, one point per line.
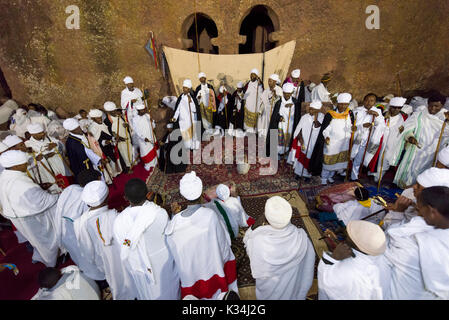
312 85
191 186
443 156
95 113
275 77
34 128
70 124
434 177
389 97
222 89
223 192
397 102
317 104
278 212
139 106
12 141
344 98
187 83
367 236
255 71
288 87
13 158
407 109
109 106
94 193
3 147
128 80
240 85
201 75
296 73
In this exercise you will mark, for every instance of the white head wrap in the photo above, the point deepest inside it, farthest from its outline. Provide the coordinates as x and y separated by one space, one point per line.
240 85
296 73
191 186
418 102
12 141
35 128
275 77
367 236
278 212
13 158
128 80
388 97
344 98
95 113
255 71
201 75
223 192
70 124
94 193
397 102
317 104
3 147
312 85
434 177
443 156
187 83
139 106
109 106
407 109
288 87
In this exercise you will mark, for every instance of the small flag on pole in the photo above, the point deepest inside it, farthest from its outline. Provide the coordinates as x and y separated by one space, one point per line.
151 48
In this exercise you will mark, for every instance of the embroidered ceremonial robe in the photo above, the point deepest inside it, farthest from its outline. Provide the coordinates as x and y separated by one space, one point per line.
253 96
268 101
205 96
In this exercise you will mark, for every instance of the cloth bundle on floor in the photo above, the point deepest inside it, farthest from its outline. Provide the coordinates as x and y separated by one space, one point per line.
330 196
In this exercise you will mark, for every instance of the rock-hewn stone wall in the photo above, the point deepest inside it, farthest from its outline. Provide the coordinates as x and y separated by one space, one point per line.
45 62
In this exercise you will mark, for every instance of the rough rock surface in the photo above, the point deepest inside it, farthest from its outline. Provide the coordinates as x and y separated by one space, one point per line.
45 62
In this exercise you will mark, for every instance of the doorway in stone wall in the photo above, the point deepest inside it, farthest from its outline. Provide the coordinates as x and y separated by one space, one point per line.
257 26
4 88
207 30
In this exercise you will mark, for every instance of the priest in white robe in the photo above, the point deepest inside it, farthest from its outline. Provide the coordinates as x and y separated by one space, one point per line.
351 271
144 251
370 125
30 208
443 158
320 91
270 96
304 139
281 255
205 95
420 139
130 96
94 232
20 122
253 91
201 246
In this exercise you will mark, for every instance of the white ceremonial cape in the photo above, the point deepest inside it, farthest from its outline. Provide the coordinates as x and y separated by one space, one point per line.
31 210
349 279
282 262
320 93
426 128
186 114
298 154
144 252
266 107
126 104
143 128
253 98
353 210
201 247
362 134
73 285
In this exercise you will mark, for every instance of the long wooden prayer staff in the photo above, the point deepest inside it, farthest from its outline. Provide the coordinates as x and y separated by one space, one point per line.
367 144
382 160
439 142
308 143
351 141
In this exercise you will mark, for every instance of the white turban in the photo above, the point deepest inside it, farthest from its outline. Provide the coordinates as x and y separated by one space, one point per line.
312 85
344 98
434 177
12 141
201 75
139 106
367 236
109 106
407 109
317 104
187 83
418 102
288 87
94 193
95 113
255 71
13 158
3 147
443 156
70 124
388 97
275 77
35 128
240 85
278 212
223 192
397 102
190 186
222 89
296 73
128 80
